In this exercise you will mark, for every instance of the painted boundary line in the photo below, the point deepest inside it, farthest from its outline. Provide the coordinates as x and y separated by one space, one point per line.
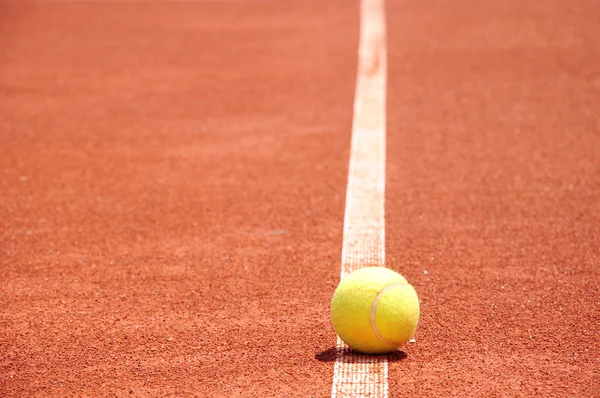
358 375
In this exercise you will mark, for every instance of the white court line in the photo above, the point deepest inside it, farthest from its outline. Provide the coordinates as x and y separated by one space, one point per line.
364 228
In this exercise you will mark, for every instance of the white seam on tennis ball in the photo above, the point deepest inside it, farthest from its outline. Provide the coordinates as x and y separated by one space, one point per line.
374 310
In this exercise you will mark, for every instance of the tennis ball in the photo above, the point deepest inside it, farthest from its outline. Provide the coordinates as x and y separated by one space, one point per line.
374 310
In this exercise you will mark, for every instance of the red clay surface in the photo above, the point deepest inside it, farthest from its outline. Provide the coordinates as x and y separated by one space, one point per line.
494 190
172 180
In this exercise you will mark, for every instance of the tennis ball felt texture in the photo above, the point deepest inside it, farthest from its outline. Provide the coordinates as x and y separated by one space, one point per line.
375 310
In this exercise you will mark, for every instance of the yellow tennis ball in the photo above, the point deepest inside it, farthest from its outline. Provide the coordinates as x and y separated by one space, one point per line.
375 310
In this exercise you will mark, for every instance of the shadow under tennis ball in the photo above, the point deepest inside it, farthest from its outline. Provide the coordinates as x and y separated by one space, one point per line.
349 355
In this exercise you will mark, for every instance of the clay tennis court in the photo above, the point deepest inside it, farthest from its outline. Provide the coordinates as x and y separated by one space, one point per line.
173 181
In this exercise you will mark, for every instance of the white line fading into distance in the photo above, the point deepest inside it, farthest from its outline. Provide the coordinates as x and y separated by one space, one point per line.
363 245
